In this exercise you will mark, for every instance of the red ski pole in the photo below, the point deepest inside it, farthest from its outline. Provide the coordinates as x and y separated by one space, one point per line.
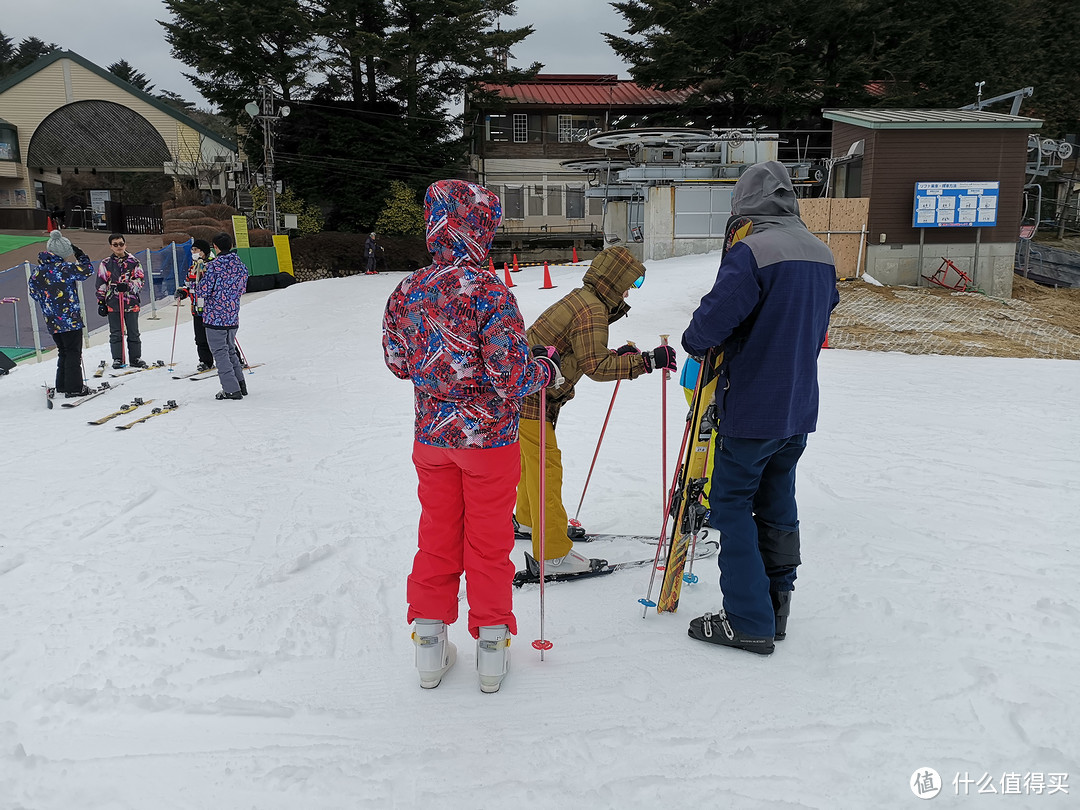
123 345
663 431
542 643
176 322
596 453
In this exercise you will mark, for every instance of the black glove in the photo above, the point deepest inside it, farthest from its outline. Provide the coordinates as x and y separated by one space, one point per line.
549 359
181 294
662 357
103 310
628 348
78 253
122 286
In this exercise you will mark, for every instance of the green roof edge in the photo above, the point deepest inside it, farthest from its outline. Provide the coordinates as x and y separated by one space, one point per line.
848 117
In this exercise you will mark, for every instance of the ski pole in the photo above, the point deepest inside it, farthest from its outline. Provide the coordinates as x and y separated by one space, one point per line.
123 345
663 430
597 451
176 322
647 599
542 643
240 354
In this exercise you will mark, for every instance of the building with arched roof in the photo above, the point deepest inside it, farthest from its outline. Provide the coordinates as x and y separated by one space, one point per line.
64 114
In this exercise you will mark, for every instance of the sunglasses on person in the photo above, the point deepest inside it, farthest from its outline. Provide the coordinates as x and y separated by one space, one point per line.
639 281
117 244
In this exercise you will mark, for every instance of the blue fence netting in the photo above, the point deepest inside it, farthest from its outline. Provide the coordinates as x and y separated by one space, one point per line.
167 268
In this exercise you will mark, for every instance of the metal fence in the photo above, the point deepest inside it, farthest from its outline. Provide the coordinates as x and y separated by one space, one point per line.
23 330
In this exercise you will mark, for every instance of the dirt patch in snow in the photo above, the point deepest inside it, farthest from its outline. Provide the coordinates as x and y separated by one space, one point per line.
1036 322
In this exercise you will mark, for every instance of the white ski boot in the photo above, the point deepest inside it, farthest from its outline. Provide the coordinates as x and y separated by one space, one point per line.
434 654
492 656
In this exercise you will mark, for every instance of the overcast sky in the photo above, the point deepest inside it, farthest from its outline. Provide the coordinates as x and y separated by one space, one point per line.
567 37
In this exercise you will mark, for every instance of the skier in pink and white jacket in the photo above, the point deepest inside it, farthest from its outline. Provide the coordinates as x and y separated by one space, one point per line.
455 331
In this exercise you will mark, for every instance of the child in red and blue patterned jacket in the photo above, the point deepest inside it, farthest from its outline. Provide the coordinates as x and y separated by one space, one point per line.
455 331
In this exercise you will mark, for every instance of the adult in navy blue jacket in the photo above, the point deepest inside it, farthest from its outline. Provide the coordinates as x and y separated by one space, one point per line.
769 311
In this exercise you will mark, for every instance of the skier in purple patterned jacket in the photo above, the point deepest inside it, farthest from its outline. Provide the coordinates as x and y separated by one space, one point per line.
54 285
218 293
455 331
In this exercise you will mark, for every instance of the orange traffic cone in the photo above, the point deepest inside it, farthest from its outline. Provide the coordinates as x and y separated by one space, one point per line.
49 226
506 276
516 268
825 345
547 279
575 254
491 266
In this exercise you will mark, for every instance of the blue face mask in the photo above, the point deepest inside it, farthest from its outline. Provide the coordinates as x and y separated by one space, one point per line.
639 281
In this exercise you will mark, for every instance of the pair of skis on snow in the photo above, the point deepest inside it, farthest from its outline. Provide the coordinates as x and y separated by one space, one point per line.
207 374
685 495
104 388
100 372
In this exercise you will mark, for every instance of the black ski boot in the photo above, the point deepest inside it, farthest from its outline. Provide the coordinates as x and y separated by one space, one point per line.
243 388
715 629
781 605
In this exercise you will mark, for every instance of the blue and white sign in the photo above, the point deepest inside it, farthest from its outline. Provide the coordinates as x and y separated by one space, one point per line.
955 205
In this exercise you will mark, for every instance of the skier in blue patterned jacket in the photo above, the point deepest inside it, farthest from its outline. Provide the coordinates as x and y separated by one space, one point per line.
769 310
54 285
218 293
455 331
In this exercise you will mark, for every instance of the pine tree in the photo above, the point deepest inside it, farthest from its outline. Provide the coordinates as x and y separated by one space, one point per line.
402 215
125 71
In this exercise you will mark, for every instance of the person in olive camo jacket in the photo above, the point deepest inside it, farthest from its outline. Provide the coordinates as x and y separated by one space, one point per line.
577 326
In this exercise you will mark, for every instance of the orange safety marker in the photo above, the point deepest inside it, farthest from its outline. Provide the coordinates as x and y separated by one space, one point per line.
506 276
825 345
575 254
547 279
491 266
516 268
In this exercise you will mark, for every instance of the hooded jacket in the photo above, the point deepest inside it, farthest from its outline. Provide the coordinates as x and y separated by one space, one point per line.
577 326
220 288
112 271
769 310
455 331
54 285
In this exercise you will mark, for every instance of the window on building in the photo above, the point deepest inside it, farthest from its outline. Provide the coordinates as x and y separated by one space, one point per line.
596 206
536 201
847 179
554 201
576 128
701 211
521 128
497 128
39 194
575 201
513 202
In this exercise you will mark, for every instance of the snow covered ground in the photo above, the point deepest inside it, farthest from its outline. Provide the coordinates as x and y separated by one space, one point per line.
208 610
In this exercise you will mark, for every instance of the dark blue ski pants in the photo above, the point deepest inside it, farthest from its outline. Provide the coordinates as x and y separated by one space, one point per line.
752 505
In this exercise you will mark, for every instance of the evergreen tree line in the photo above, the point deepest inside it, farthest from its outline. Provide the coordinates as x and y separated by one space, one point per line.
373 84
778 64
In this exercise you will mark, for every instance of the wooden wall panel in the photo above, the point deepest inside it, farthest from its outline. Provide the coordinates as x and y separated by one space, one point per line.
838 223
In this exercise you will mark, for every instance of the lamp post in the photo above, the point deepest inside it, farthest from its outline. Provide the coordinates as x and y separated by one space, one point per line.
266 114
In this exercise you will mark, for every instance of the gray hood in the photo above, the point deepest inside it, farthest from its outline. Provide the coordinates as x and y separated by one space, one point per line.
765 194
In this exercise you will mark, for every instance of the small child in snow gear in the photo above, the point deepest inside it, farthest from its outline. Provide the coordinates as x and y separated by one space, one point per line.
577 326
54 285
218 294
200 255
454 330
119 280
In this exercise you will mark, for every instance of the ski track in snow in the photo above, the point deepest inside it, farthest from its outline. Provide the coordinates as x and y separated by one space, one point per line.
210 611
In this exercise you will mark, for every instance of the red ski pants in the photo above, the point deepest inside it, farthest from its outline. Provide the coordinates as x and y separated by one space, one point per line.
466 504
